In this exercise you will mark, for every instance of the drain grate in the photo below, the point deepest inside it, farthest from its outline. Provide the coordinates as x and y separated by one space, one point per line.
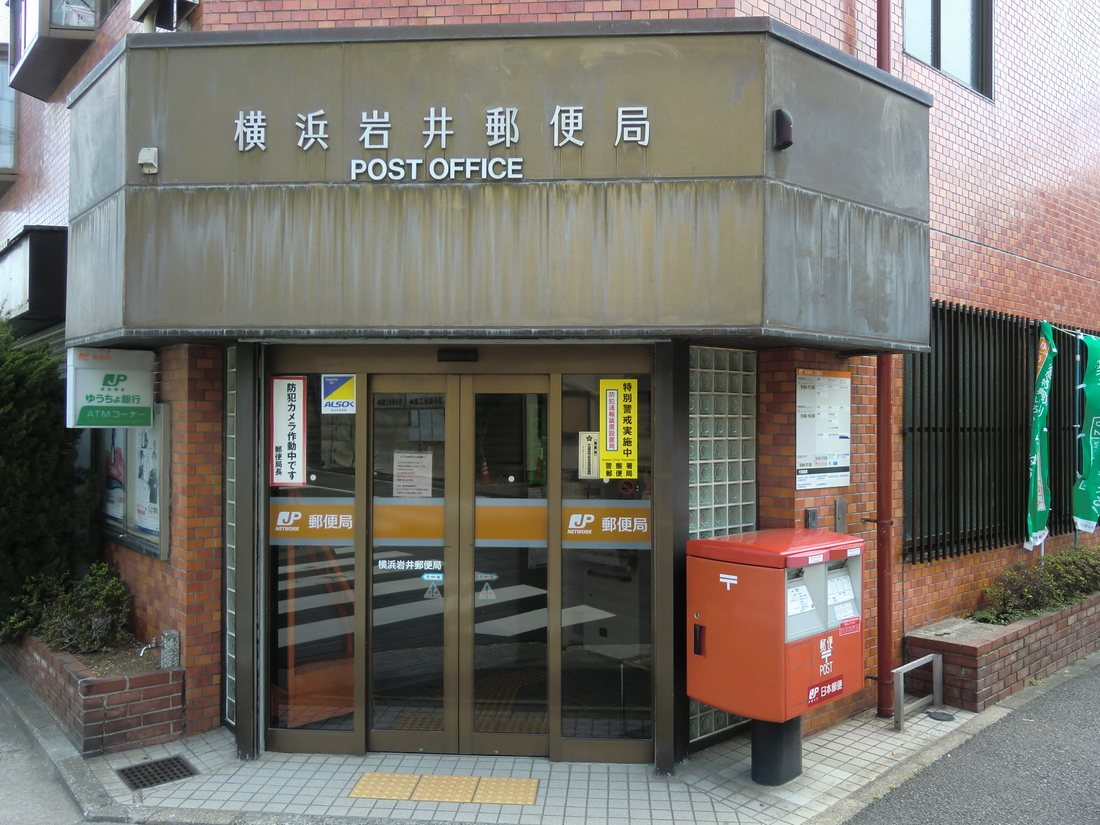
147 774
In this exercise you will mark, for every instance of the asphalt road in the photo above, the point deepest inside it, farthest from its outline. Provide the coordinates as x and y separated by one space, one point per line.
1039 764
30 793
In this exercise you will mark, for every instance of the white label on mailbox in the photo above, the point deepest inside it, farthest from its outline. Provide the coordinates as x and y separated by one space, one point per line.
845 610
799 600
853 551
840 590
815 559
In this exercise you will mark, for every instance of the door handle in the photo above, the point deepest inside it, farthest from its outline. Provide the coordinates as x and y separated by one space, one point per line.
700 640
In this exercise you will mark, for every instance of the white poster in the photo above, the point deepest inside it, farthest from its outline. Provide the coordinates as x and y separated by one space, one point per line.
114 499
147 487
588 455
288 431
412 475
823 429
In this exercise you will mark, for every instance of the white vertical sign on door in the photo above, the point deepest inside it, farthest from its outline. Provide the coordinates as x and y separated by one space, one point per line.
288 431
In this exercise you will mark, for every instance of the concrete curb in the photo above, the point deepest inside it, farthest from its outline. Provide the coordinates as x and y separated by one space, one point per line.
845 809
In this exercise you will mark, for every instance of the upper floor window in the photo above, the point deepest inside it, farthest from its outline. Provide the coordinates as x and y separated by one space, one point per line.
47 38
955 36
7 127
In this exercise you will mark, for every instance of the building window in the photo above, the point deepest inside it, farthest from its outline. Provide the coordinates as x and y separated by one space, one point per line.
7 127
133 468
955 36
47 39
967 424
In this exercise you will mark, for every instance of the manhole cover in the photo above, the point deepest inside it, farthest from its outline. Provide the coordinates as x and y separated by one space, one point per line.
147 774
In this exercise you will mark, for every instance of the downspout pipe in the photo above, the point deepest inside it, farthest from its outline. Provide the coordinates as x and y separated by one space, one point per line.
884 515
884 534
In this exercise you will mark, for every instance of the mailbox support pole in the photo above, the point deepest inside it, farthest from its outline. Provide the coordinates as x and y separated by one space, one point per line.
776 751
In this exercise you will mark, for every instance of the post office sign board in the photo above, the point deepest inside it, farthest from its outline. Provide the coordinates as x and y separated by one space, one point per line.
109 388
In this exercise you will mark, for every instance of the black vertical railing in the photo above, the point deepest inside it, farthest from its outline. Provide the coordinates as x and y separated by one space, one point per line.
966 427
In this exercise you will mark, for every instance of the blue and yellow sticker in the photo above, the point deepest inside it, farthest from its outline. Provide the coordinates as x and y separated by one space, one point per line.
337 394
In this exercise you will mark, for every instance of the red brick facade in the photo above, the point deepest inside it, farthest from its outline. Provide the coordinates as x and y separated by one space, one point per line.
184 591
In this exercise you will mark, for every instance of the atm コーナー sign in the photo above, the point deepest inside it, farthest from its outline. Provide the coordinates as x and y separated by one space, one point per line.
109 388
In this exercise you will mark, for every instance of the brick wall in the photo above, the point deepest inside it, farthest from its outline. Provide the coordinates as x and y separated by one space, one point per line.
183 592
781 505
983 664
101 715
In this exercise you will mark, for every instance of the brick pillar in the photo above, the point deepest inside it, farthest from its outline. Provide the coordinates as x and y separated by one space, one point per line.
183 591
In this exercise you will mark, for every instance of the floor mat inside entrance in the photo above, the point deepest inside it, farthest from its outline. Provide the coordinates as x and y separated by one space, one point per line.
487 790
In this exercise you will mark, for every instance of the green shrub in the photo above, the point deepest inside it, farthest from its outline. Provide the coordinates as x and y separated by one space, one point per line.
88 617
30 606
41 509
1024 590
1075 573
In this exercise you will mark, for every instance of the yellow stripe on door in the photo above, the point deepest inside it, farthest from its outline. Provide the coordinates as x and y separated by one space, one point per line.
423 522
519 522
495 522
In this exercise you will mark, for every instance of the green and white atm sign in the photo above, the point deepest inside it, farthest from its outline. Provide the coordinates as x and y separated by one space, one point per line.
109 388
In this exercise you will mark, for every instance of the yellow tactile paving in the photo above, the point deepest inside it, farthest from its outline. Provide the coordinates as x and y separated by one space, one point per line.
420 721
504 790
445 789
485 790
385 786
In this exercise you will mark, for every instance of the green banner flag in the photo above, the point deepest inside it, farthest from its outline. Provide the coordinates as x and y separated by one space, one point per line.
1086 492
1038 505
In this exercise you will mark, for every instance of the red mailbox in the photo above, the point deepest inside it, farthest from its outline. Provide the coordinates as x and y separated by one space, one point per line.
775 623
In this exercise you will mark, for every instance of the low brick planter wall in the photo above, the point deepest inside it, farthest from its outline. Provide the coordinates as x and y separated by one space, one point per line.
101 715
985 663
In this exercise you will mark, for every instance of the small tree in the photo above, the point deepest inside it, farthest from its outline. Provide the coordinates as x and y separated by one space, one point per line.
41 508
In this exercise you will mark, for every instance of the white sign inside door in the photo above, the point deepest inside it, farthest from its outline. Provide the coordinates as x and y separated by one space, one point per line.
412 475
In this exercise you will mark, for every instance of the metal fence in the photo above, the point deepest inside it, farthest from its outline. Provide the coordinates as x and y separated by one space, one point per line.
966 431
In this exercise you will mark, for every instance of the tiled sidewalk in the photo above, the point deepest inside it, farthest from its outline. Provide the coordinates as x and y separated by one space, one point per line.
713 786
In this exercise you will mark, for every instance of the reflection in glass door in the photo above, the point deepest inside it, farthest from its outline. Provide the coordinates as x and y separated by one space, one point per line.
409 562
509 477
312 542
459 564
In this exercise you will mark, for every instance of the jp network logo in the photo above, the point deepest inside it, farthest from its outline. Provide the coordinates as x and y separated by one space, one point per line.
287 520
578 523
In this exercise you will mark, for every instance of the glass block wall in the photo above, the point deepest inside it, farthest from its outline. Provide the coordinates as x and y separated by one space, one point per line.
231 537
722 445
722 469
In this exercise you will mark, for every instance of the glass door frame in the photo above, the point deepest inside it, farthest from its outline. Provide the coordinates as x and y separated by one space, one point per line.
397 741
413 362
318 741
491 743
458 734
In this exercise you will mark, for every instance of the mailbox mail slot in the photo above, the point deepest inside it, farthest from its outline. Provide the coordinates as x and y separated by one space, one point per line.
775 621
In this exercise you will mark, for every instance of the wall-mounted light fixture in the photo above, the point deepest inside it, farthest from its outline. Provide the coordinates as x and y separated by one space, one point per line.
784 130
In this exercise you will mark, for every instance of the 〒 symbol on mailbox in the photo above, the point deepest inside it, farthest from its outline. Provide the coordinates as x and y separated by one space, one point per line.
727 579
